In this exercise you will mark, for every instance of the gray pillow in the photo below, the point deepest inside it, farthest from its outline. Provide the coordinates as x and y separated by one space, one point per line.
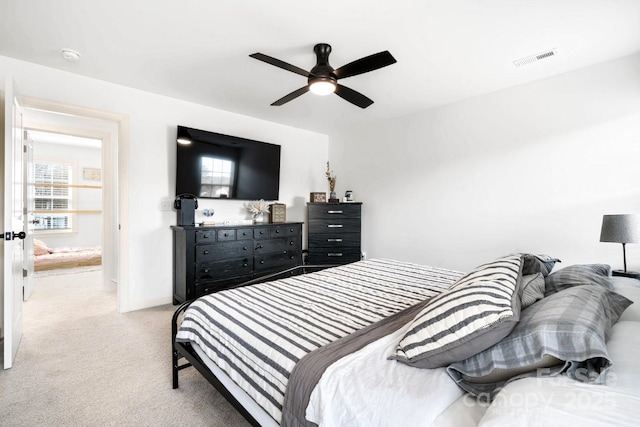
538 263
476 312
577 275
532 289
564 332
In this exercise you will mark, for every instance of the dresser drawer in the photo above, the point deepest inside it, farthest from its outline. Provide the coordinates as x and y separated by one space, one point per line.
333 256
334 226
328 211
262 233
203 237
224 250
334 240
276 245
277 261
293 230
244 234
226 235
207 271
278 231
285 230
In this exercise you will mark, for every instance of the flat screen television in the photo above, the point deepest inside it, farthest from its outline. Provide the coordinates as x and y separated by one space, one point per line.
216 166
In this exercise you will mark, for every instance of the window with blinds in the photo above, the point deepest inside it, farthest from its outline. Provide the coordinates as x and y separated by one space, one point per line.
53 196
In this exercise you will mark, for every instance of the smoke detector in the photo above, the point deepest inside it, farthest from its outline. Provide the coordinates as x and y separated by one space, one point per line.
71 55
537 57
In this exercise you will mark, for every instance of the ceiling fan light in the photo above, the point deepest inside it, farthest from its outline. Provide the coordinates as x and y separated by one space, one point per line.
322 87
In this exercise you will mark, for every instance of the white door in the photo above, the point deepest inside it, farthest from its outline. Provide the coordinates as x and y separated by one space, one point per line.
12 213
29 200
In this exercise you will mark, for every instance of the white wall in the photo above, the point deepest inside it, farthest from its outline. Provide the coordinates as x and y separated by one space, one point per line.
87 230
532 168
152 127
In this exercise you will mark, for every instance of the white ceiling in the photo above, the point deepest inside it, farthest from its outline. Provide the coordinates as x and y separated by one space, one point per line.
198 50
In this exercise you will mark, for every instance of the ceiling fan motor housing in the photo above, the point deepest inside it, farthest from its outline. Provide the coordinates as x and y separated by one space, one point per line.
322 71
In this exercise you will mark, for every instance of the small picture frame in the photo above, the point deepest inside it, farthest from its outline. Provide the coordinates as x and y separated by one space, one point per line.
316 197
92 174
278 213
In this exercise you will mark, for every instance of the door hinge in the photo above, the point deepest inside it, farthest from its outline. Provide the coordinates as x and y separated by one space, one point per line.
25 273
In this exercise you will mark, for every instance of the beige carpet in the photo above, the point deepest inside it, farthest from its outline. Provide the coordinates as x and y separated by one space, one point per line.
81 363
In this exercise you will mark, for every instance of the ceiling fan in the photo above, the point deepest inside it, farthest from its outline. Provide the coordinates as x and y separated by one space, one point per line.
322 79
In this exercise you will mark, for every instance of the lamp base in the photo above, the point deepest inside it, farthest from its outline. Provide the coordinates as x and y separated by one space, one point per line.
631 274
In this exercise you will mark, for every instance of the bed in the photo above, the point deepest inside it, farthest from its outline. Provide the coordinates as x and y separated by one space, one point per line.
46 258
384 342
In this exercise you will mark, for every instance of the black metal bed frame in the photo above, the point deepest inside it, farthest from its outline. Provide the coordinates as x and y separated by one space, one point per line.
185 350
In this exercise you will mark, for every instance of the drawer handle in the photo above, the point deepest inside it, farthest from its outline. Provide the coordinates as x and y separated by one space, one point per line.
334 240
277 231
206 252
259 247
244 233
205 236
262 232
244 264
226 234
261 261
291 230
334 225
244 248
205 271
335 212
290 243
335 254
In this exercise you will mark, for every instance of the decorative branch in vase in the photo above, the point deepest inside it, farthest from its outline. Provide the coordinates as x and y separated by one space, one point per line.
258 208
333 197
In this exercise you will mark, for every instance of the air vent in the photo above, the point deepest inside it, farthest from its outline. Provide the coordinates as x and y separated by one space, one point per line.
534 58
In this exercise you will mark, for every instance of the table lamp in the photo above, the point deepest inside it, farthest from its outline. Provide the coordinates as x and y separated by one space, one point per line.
621 229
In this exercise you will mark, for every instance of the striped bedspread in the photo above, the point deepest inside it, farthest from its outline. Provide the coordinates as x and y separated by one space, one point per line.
256 334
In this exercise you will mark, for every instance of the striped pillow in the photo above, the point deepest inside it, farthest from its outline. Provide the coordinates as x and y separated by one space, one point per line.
475 313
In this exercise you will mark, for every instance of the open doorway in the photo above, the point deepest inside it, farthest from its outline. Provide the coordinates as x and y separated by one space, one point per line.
92 221
66 198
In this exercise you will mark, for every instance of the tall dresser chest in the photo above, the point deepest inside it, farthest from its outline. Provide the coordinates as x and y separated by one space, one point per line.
334 231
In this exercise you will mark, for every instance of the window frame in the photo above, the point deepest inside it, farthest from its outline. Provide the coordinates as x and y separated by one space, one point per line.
71 197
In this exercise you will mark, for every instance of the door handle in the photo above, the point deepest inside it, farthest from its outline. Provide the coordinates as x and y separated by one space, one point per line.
10 235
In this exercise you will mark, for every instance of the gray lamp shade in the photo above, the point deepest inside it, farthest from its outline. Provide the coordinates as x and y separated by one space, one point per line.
620 228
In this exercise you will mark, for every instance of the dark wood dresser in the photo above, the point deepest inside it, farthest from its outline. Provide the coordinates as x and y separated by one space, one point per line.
209 259
334 233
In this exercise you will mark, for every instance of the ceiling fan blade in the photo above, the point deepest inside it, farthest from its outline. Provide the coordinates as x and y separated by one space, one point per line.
352 96
278 63
366 64
293 95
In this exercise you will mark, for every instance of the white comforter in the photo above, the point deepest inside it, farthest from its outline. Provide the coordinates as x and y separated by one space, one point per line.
362 381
